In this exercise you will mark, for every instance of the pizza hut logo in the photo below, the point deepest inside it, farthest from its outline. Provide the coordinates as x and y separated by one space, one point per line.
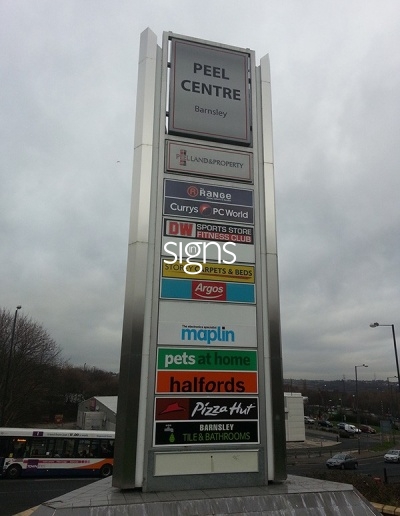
209 290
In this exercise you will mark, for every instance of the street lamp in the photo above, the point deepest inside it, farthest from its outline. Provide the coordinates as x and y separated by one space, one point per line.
374 325
9 366
390 393
357 414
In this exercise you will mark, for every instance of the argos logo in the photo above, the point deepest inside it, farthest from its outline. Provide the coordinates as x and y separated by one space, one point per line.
209 290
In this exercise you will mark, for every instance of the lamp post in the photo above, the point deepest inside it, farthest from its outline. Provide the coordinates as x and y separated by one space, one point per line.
390 393
374 325
10 354
357 414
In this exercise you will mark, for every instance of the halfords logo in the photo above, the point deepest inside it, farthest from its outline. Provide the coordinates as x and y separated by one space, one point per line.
208 335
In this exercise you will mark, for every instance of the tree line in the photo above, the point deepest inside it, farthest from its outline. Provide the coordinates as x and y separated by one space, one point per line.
36 383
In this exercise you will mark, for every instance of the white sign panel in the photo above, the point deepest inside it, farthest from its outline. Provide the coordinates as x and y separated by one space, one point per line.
202 160
197 250
201 324
209 93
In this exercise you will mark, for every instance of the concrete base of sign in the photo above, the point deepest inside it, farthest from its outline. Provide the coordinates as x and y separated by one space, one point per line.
296 496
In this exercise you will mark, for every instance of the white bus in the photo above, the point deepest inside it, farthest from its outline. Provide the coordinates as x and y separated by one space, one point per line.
54 452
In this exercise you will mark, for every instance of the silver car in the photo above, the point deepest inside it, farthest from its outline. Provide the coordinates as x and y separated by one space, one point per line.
342 461
392 456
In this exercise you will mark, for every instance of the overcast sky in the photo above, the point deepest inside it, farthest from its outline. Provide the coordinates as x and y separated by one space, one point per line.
67 98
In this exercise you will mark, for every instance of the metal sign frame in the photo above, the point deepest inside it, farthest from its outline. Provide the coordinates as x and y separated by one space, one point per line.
141 460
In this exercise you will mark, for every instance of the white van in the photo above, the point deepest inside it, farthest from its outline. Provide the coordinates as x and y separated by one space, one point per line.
350 429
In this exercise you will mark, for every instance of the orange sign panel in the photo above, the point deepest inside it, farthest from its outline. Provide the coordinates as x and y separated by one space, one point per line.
208 382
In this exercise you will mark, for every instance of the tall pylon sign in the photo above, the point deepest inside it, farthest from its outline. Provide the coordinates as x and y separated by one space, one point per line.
201 392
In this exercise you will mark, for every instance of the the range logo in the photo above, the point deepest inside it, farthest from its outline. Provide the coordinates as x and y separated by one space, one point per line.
207 192
192 191
209 290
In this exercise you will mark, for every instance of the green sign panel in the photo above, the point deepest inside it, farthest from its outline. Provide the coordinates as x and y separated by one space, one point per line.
206 360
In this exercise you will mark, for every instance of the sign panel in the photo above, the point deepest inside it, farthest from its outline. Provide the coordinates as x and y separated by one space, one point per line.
207 291
189 359
211 211
207 382
186 158
209 271
209 92
203 250
205 409
208 231
181 323
184 433
208 193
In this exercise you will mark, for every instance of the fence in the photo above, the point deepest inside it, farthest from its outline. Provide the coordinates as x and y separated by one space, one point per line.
391 479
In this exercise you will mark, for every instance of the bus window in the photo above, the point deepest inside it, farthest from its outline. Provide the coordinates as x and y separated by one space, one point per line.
4 445
107 448
83 447
18 448
63 447
38 447
95 450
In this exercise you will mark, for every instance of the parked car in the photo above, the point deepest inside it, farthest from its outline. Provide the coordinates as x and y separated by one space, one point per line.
392 456
342 461
342 426
367 429
325 423
309 420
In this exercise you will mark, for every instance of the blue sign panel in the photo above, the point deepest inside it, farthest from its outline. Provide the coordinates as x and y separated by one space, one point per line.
206 210
207 291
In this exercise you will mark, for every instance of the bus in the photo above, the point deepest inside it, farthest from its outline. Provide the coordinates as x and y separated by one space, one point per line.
54 452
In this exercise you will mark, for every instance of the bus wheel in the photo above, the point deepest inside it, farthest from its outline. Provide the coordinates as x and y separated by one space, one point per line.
14 471
106 470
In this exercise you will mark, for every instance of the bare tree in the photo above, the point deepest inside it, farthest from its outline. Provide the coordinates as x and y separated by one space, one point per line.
28 356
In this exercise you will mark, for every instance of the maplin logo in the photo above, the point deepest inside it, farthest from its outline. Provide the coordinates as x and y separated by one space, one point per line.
208 335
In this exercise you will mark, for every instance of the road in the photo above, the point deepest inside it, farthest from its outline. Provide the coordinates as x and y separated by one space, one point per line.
21 494
305 461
